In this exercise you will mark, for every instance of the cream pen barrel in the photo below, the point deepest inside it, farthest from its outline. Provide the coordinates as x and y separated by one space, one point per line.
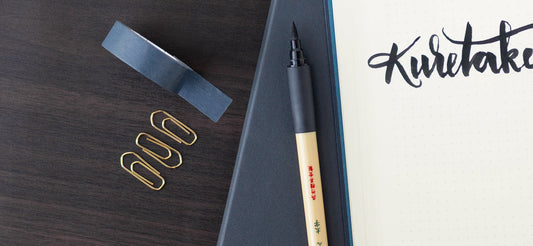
301 94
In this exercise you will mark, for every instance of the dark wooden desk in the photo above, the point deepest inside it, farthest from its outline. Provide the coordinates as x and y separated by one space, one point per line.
69 109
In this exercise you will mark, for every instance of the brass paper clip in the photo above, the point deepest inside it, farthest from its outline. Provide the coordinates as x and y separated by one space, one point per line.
156 156
148 167
166 131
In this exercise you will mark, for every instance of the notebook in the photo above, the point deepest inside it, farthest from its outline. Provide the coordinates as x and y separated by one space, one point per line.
436 100
264 204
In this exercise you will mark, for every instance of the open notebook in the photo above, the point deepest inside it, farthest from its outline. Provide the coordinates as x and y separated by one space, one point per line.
437 113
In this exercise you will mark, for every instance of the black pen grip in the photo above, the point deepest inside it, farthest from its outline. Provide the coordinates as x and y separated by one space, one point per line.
301 94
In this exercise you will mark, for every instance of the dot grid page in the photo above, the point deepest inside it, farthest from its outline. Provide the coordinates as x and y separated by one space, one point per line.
449 162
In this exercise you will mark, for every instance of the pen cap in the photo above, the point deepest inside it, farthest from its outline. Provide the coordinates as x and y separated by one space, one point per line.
301 94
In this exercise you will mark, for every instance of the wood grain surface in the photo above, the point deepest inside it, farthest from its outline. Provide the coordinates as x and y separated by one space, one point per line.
69 109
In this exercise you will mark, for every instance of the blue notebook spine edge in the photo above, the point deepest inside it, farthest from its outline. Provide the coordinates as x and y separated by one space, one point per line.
247 120
338 112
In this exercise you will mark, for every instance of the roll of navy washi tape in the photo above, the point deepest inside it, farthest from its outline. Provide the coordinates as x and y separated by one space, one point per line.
165 70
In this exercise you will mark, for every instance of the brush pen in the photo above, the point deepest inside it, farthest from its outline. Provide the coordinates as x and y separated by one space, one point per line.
301 94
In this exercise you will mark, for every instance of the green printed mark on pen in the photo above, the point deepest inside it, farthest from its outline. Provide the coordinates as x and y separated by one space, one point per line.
317 227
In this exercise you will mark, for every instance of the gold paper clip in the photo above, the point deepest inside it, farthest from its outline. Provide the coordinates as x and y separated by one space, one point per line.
167 132
156 156
145 164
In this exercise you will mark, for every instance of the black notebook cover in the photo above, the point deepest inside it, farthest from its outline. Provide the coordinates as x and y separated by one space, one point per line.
264 205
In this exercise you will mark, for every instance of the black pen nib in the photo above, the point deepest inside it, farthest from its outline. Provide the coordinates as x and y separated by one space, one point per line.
296 53
294 31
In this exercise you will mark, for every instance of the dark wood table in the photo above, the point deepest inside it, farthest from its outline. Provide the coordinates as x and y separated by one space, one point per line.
69 109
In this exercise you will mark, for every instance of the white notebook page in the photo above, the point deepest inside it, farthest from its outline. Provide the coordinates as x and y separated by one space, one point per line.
449 162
